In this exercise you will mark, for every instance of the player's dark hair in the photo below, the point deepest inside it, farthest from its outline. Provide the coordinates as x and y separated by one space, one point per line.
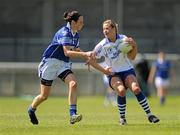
72 15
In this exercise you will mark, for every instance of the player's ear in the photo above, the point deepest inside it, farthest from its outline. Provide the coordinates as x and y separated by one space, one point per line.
73 22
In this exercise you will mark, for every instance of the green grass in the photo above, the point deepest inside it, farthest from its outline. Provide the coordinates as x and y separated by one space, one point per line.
97 119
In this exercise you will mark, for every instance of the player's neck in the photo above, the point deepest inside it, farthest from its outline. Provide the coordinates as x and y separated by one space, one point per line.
112 39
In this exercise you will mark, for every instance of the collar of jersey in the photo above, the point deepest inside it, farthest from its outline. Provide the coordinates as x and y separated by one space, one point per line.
69 26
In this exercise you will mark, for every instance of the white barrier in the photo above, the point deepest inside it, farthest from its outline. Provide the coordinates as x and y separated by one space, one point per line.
20 78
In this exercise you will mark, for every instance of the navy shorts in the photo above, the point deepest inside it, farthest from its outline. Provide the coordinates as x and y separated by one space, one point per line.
122 75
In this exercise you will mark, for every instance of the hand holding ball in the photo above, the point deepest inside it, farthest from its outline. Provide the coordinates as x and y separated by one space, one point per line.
124 46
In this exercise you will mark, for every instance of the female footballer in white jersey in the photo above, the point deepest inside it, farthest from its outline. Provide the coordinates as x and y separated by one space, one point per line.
124 76
56 64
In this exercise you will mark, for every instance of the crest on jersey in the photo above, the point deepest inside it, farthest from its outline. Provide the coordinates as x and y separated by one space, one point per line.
111 51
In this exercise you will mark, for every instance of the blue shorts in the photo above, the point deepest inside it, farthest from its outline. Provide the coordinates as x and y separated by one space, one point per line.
122 75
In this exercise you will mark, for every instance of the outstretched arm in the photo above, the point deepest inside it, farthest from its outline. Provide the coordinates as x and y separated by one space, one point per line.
75 53
89 56
92 61
95 65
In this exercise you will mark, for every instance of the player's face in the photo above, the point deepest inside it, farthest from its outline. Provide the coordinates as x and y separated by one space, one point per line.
108 31
80 23
162 55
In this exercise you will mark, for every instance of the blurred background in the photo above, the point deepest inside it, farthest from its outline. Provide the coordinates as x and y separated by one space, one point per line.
27 26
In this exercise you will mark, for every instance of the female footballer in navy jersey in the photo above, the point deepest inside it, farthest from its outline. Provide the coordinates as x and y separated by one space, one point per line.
124 76
56 64
161 70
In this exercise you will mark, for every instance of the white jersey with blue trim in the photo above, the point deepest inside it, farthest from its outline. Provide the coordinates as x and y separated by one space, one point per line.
113 56
63 37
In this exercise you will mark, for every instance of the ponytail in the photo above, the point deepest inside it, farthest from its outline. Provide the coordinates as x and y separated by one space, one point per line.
72 15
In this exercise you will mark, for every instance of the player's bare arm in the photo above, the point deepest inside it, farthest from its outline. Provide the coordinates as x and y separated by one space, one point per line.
71 53
95 65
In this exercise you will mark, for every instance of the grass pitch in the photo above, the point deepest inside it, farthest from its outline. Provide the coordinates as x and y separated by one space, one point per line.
53 116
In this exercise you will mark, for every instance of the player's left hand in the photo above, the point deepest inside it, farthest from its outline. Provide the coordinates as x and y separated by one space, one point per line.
131 42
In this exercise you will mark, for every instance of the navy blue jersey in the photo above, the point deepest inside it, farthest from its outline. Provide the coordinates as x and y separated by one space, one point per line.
162 69
63 37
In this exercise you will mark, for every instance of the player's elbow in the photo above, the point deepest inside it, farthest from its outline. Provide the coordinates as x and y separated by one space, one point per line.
131 56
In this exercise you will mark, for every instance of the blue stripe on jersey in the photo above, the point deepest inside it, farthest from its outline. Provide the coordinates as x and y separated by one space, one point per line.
65 40
62 37
120 36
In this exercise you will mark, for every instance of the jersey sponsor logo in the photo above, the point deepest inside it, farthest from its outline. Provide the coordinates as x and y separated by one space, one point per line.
111 51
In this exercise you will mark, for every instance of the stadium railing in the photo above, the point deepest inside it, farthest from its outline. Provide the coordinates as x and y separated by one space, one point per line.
20 78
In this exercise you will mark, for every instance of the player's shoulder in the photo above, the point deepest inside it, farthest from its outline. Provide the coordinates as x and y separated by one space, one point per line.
65 28
66 31
121 36
169 63
63 31
101 43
